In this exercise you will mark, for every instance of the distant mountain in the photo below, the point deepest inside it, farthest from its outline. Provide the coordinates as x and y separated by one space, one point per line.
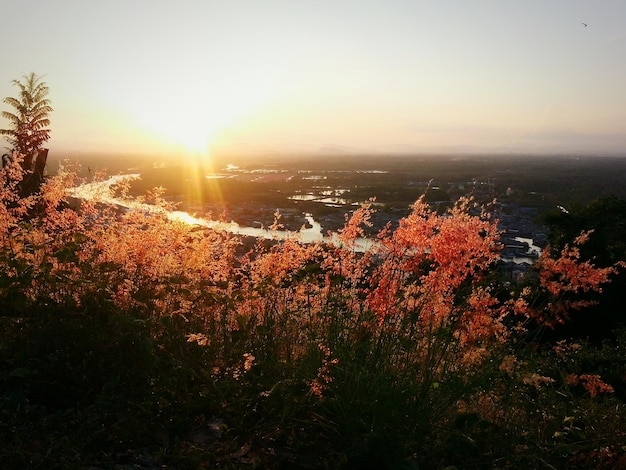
332 149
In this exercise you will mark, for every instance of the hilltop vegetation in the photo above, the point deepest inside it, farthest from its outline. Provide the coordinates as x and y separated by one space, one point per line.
133 341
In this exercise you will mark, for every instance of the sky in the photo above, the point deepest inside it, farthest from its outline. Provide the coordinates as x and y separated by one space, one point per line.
197 76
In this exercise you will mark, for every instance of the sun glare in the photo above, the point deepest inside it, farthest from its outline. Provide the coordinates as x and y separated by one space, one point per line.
192 117
193 132
188 125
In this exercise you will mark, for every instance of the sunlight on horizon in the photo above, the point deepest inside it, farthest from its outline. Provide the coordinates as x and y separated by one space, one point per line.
199 111
193 126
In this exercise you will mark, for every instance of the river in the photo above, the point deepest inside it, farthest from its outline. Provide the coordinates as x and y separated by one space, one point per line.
102 192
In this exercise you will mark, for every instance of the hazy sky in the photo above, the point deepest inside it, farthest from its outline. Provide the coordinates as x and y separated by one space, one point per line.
152 75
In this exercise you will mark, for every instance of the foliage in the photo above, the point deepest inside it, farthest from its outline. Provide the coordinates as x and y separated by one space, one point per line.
606 218
29 122
132 339
604 221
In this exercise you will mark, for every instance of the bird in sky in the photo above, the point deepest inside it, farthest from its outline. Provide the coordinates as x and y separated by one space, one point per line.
585 25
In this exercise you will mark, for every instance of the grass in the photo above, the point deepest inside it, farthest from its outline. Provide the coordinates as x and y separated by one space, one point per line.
100 390
130 341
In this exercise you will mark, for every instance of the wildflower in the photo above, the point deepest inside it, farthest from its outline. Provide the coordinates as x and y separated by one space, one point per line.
323 378
354 225
566 275
562 348
592 383
508 364
199 338
537 381
474 356
249 361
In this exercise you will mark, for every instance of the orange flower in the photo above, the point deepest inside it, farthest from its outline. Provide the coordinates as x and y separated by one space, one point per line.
592 383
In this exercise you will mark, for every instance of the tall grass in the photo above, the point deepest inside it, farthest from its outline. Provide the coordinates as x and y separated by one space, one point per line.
184 346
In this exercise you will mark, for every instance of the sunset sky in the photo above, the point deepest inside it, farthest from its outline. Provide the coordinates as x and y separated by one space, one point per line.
295 75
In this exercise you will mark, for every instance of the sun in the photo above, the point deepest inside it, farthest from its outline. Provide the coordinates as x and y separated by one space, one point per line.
189 111
192 117
193 132
190 126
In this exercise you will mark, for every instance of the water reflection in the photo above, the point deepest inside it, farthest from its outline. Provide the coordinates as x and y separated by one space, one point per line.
312 234
101 191
303 197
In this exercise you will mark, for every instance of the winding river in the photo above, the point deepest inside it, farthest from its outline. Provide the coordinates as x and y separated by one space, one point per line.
101 191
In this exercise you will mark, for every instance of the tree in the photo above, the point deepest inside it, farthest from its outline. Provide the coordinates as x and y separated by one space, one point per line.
29 126
29 122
